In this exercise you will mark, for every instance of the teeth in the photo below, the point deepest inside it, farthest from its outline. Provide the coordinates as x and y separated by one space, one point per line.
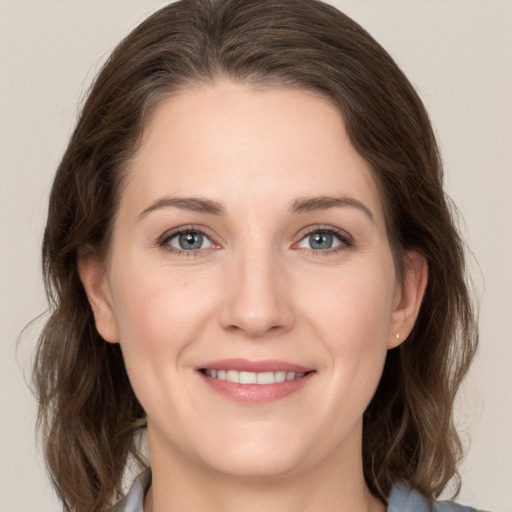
253 377
233 376
248 377
280 376
265 378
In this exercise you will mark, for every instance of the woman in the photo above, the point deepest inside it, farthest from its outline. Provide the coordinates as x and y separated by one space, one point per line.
249 251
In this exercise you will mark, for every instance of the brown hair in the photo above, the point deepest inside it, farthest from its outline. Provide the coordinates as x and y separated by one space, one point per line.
88 412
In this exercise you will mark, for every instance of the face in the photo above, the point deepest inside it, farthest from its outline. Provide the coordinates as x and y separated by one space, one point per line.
250 282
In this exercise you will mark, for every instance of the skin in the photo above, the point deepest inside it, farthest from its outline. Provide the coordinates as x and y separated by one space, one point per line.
256 289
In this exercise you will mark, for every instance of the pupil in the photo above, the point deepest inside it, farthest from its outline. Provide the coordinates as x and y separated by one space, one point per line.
189 241
321 241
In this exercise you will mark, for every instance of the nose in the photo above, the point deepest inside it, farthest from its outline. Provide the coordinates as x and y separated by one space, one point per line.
258 296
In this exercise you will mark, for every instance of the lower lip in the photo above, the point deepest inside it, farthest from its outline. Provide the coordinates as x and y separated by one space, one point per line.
256 393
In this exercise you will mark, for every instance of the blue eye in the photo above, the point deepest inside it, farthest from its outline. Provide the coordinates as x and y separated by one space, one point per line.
189 241
323 240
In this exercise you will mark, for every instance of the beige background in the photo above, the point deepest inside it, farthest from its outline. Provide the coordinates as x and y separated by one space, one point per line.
456 52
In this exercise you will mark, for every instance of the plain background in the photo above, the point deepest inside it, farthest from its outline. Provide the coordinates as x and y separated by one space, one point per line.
458 55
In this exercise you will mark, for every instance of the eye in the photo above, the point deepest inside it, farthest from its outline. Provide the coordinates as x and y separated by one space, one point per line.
189 240
323 240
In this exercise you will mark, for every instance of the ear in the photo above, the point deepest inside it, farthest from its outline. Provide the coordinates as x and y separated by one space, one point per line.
408 297
93 276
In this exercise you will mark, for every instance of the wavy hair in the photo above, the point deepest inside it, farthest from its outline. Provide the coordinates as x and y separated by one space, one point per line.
88 413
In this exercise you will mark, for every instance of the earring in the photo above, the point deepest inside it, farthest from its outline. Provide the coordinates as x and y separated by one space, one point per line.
397 336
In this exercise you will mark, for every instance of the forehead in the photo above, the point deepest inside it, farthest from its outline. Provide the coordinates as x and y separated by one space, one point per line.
232 142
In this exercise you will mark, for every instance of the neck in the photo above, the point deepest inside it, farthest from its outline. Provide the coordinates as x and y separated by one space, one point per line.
254 499
334 485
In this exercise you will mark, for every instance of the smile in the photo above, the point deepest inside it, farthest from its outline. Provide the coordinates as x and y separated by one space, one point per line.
243 377
255 382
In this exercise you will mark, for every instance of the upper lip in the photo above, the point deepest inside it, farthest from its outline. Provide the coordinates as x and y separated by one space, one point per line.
246 365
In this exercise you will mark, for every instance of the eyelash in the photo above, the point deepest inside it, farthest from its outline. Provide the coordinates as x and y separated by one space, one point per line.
163 241
346 241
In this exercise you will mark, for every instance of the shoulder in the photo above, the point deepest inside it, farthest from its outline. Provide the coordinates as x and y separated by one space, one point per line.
134 500
405 499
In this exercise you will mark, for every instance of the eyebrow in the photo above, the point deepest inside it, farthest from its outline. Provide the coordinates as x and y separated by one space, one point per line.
301 205
318 203
193 204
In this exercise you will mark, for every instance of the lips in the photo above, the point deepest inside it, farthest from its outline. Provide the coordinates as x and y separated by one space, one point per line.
247 382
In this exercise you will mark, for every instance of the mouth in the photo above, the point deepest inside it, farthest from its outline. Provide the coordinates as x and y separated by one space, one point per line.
244 377
255 382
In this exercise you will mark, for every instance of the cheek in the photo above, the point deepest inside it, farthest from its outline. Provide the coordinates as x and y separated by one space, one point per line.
353 320
158 310
159 315
358 300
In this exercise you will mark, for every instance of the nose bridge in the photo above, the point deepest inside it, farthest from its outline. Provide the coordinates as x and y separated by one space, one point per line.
257 295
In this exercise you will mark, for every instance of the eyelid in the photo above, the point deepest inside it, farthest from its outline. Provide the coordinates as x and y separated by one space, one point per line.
345 239
163 240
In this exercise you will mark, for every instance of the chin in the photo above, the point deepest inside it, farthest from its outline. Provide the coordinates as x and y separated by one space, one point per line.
259 468
256 459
